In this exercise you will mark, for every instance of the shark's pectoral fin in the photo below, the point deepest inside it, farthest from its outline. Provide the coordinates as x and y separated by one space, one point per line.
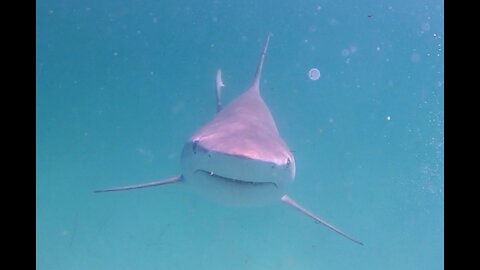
297 206
170 180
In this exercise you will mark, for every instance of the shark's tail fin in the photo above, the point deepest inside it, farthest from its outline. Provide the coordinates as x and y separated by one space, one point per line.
297 206
258 73
170 180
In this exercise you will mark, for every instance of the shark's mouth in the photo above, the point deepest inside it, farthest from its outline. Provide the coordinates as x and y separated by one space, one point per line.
233 180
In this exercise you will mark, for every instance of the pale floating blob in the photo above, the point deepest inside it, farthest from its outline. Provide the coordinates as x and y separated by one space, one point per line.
345 52
426 27
314 74
389 118
348 51
333 22
415 57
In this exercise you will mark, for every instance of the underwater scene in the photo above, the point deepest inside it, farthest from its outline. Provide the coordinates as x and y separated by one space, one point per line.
222 134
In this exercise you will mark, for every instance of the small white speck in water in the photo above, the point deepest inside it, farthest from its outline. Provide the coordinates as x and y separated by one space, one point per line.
314 74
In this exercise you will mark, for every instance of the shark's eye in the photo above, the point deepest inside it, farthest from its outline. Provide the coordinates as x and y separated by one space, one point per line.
194 146
288 162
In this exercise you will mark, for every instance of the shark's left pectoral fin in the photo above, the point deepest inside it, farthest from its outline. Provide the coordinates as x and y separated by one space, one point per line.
165 181
297 206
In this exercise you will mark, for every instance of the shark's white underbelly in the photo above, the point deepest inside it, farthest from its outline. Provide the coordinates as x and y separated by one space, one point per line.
231 179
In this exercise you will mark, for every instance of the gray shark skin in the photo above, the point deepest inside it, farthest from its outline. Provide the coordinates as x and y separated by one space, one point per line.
239 157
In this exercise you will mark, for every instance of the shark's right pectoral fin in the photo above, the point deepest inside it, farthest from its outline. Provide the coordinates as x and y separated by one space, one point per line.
166 181
297 206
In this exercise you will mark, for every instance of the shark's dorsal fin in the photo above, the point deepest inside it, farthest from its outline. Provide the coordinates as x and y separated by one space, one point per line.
256 80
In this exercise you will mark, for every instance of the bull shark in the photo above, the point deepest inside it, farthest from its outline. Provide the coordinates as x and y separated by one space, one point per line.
239 157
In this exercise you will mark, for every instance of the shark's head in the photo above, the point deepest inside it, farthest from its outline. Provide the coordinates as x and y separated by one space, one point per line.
239 157
245 180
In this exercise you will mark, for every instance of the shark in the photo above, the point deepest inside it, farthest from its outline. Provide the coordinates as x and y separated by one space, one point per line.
239 157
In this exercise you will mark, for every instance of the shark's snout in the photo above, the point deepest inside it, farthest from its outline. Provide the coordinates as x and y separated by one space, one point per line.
234 179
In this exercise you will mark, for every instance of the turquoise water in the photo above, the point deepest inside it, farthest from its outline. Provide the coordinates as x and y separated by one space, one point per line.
122 84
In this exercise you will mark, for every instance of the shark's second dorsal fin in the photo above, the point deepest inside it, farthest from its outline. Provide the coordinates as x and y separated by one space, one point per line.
258 73
219 85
